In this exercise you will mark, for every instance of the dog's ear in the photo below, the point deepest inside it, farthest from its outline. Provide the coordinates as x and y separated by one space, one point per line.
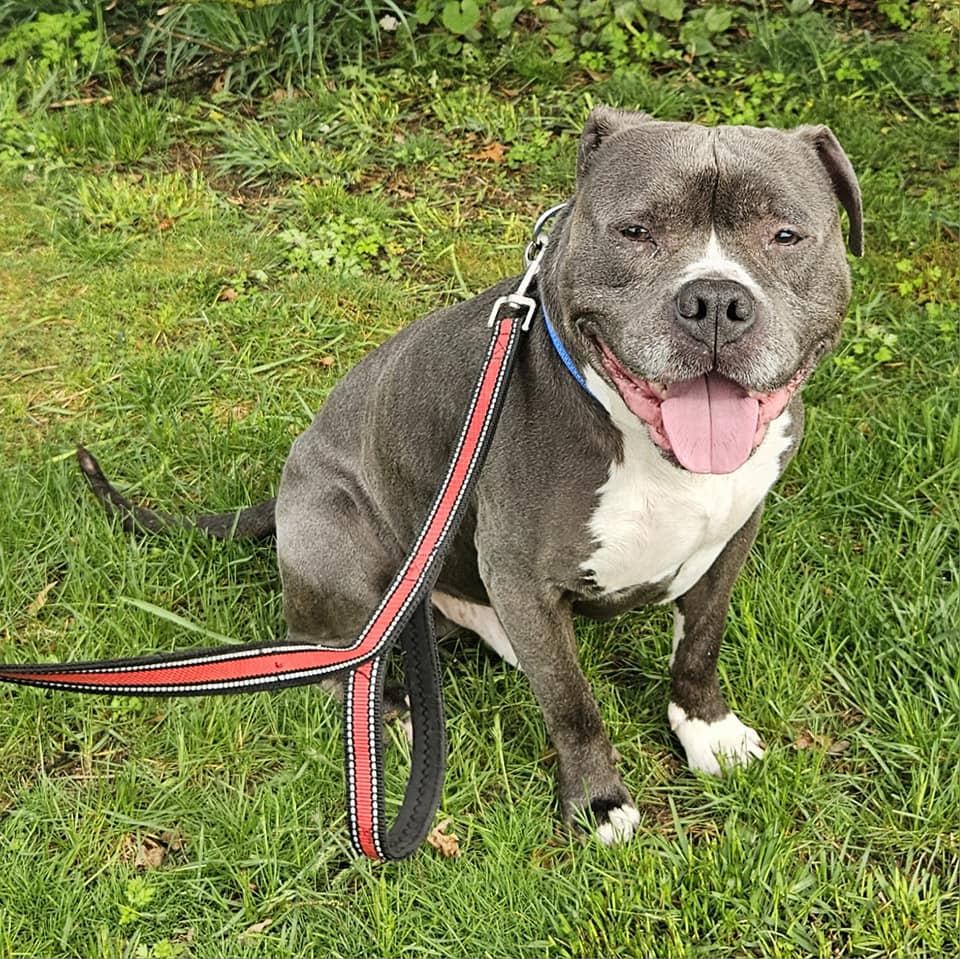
603 123
842 176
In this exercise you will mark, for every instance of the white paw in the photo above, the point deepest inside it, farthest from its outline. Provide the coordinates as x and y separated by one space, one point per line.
621 824
711 746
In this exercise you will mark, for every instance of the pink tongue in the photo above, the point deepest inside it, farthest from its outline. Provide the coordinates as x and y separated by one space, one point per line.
710 423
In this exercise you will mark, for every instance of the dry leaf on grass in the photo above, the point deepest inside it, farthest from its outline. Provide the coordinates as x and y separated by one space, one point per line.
41 600
492 151
809 740
150 855
150 852
447 844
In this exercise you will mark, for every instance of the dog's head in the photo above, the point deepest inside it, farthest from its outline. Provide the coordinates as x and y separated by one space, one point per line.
700 274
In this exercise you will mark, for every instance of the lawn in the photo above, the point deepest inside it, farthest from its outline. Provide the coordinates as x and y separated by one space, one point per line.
184 276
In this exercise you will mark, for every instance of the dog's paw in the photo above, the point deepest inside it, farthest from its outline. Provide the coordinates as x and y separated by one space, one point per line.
617 825
611 820
711 747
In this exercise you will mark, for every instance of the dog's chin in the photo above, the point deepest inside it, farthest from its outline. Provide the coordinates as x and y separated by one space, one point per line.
705 424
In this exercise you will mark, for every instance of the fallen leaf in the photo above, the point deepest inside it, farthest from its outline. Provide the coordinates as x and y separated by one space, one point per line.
257 928
809 740
144 854
41 599
492 151
172 839
150 855
150 852
447 844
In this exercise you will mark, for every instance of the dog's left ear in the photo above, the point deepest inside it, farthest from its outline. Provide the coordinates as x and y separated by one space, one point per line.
842 176
603 123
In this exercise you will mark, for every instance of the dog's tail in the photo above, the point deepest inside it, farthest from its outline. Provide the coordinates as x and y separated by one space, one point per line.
255 522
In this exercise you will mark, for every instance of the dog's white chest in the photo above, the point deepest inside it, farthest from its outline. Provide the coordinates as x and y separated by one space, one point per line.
655 523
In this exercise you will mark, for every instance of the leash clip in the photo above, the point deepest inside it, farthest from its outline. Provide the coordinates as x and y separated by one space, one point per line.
519 302
538 243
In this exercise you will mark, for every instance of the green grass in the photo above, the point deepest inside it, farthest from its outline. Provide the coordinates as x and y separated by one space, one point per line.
182 281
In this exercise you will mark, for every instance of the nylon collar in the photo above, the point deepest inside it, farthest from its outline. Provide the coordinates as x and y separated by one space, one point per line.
532 255
562 352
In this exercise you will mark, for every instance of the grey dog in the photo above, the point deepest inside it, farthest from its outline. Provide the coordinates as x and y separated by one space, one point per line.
688 290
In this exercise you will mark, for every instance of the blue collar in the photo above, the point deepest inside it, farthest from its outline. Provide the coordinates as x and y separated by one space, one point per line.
562 351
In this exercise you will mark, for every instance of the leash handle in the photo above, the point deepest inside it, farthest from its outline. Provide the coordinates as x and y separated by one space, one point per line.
363 737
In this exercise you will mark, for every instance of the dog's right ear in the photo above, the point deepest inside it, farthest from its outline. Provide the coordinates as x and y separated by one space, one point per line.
603 123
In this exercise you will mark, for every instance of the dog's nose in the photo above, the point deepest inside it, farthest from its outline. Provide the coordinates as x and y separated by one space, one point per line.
715 312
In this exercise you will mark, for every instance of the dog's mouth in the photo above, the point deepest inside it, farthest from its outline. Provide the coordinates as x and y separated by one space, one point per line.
708 423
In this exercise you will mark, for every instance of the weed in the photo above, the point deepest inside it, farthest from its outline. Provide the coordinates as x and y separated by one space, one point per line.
53 54
348 246
127 130
137 895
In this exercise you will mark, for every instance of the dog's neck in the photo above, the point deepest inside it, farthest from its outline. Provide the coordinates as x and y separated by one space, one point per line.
561 350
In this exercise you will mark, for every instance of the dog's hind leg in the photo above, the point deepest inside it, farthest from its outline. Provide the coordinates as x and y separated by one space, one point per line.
334 569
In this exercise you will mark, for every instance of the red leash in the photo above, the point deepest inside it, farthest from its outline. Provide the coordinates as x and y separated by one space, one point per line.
404 614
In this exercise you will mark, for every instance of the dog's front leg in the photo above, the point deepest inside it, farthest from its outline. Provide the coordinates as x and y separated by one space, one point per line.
710 733
541 632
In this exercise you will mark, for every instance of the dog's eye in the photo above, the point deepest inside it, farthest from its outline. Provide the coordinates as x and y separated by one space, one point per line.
786 238
637 232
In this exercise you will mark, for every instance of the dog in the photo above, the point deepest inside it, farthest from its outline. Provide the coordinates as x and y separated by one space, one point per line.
689 288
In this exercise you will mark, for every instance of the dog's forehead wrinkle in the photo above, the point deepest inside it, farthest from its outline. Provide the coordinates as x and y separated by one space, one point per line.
763 174
657 201
759 198
721 176
716 176
658 164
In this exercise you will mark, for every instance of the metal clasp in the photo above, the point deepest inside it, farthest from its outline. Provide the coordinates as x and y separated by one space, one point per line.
537 245
519 301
